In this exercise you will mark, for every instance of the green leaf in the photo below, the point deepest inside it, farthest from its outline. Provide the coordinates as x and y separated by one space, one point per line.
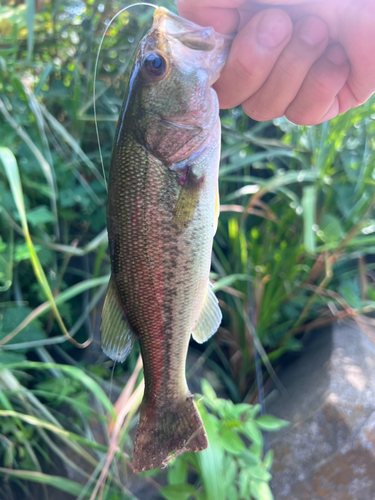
231 442
259 473
250 459
232 492
210 461
239 409
208 393
244 482
230 471
23 252
40 215
332 229
268 459
251 430
260 490
178 491
177 471
270 423
7 358
12 317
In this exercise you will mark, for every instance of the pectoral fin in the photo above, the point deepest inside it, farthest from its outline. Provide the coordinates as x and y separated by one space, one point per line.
187 201
117 339
209 319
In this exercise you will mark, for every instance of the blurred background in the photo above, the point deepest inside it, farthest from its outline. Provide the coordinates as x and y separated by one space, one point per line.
293 255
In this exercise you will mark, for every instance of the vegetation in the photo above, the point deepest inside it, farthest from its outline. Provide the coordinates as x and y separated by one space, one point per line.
293 252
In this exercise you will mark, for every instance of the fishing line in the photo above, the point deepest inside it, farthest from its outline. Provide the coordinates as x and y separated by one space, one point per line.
95 73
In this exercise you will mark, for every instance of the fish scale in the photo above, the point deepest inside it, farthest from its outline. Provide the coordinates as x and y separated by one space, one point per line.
162 213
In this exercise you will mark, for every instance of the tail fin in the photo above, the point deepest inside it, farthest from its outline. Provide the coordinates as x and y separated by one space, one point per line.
175 428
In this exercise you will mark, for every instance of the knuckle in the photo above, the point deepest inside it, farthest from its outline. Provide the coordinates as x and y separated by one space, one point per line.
321 84
242 70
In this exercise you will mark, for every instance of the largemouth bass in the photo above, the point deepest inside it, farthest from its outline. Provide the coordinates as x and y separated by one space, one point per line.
162 214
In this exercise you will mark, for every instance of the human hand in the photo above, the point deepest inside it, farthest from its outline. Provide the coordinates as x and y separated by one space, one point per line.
307 59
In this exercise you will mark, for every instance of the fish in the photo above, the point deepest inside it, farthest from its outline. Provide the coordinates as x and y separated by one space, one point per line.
162 212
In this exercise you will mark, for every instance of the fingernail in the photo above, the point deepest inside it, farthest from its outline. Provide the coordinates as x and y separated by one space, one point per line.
273 28
313 31
336 54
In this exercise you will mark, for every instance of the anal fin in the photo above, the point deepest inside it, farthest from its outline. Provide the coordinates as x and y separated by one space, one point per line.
117 339
209 319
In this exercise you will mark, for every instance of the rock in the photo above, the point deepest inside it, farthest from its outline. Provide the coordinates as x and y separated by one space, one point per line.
328 451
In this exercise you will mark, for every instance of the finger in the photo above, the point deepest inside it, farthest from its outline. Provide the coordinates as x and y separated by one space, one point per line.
317 101
347 99
308 43
253 54
222 15
357 36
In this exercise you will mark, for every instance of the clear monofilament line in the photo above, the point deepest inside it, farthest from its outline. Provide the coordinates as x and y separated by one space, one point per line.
95 73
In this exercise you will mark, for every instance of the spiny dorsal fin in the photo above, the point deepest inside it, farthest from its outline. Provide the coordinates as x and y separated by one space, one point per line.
117 339
209 319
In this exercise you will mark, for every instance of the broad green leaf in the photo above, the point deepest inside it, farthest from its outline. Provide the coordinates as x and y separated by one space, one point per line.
211 460
208 393
7 358
232 492
40 215
177 471
271 423
259 473
11 317
268 459
231 442
251 430
178 491
239 409
250 459
244 482
260 490
332 229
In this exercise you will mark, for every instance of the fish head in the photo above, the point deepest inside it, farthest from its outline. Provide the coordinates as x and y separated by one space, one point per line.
176 64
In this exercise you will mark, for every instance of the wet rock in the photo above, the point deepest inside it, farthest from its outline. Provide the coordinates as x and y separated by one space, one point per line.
328 452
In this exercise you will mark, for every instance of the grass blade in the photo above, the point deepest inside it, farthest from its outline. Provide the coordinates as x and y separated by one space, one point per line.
11 169
30 16
61 483
309 209
76 374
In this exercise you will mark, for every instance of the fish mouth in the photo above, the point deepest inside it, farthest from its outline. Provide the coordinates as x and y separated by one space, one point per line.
192 45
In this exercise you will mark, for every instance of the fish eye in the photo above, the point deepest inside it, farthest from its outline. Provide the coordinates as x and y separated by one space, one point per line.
155 64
